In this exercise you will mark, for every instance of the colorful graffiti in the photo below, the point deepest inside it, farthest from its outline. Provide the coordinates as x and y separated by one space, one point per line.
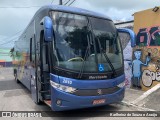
146 55
149 76
148 36
128 73
127 52
136 68
149 72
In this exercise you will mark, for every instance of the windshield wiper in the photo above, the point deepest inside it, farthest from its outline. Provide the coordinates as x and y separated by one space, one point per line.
114 40
85 56
88 50
105 55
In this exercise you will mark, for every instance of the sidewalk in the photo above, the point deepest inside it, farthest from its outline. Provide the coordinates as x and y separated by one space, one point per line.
146 100
132 94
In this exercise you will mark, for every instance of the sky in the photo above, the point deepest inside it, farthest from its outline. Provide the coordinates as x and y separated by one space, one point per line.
16 14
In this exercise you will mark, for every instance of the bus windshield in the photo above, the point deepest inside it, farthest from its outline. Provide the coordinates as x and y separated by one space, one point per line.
81 42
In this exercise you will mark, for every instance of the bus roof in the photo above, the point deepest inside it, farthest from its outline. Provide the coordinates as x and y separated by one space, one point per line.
73 10
67 9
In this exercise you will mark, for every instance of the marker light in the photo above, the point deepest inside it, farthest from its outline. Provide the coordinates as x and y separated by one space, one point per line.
121 85
62 87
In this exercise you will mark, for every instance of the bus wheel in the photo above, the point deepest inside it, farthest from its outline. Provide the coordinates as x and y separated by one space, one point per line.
16 79
39 102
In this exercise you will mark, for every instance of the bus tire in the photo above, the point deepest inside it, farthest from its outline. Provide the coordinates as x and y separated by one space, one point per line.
39 102
15 77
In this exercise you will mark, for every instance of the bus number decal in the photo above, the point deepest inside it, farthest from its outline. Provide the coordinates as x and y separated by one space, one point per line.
67 81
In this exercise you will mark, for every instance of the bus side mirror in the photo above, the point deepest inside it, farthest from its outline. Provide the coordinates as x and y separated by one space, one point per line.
48 29
131 34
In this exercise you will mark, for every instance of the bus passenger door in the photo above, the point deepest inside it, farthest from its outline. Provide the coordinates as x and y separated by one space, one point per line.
45 73
33 82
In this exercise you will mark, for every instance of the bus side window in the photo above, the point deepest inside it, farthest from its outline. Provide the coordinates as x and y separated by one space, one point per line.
124 38
31 49
46 54
45 57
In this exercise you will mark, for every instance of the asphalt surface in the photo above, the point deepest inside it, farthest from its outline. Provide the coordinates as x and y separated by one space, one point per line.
16 97
152 101
132 94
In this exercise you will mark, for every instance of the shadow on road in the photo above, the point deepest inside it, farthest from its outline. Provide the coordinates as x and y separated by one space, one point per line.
9 85
15 91
102 111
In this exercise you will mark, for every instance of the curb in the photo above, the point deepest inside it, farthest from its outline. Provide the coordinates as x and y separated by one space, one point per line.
146 94
143 96
136 106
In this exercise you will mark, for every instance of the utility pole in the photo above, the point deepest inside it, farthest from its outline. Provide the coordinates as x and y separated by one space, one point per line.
60 2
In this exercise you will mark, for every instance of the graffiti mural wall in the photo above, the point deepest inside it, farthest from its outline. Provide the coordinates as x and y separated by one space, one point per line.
146 58
147 28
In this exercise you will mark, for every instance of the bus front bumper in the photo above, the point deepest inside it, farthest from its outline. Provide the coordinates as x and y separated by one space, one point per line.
61 101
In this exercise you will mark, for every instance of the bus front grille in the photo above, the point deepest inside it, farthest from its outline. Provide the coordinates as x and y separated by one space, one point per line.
95 92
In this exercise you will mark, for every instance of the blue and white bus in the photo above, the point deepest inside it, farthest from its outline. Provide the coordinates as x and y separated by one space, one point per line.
71 58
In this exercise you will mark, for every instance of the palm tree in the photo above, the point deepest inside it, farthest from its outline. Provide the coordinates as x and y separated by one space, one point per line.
12 53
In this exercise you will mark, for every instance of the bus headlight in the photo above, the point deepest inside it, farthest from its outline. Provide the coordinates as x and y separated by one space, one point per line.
63 87
121 85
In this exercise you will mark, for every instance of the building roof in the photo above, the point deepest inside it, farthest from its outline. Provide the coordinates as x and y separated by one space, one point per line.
131 21
147 10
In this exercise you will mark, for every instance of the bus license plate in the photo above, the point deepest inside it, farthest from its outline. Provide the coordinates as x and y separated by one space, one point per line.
100 101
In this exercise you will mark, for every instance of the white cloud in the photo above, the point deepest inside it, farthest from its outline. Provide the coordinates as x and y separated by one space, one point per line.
116 9
12 20
2 37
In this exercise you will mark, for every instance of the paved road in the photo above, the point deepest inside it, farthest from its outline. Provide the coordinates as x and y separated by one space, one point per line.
15 97
152 101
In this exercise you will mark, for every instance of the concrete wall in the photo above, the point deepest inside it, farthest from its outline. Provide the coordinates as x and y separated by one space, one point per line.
146 70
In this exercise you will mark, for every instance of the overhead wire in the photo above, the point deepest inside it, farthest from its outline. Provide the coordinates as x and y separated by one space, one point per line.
22 30
10 41
22 6
13 35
